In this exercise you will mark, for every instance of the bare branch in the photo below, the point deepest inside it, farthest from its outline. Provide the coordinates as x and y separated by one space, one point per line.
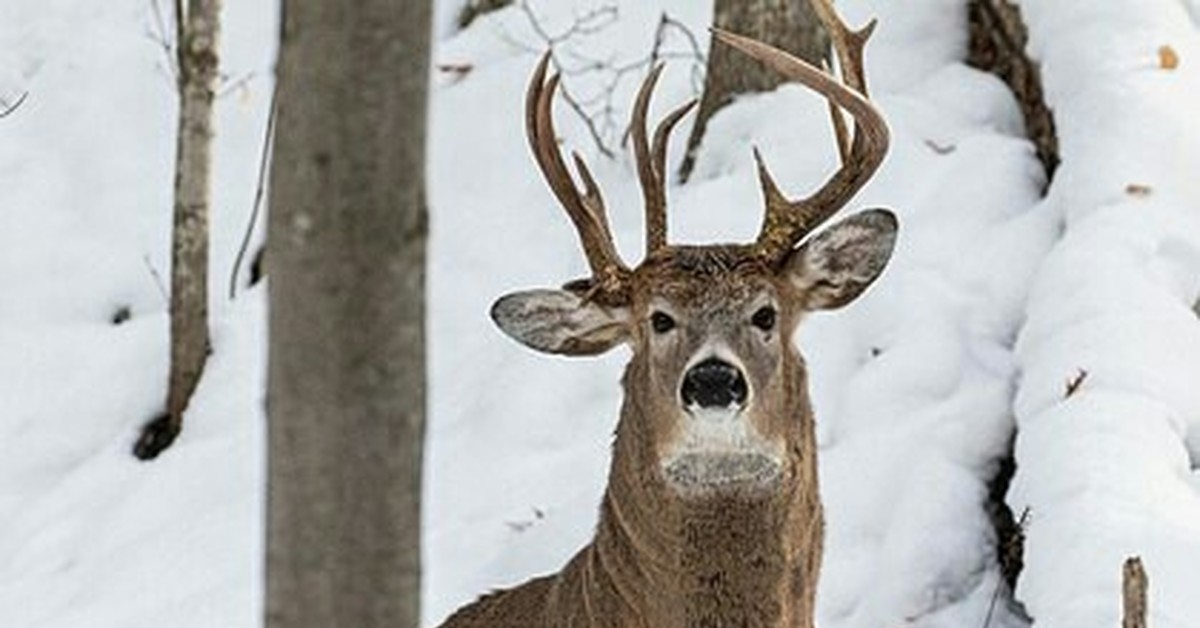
602 118
588 123
263 160
229 84
1075 382
7 109
159 36
589 23
1019 540
158 280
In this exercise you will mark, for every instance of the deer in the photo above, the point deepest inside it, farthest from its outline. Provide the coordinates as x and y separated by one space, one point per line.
711 515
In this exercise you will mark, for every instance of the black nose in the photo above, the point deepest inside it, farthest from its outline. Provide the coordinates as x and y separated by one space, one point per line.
713 383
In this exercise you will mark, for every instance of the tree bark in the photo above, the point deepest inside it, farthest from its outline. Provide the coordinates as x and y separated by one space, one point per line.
1133 593
196 45
998 39
346 260
791 25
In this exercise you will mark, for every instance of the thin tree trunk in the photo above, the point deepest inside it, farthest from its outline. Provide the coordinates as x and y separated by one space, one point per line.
196 43
791 25
346 260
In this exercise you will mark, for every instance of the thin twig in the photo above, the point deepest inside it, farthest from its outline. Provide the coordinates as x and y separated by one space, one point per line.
656 54
693 43
1075 382
159 36
9 109
589 23
158 280
598 112
229 84
588 122
660 35
263 160
987 620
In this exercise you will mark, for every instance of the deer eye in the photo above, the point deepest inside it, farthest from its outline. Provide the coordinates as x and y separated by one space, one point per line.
764 318
661 323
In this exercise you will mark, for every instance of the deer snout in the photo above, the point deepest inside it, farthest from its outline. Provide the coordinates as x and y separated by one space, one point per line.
714 383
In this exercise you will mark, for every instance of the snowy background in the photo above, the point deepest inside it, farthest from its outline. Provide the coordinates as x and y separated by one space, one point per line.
995 300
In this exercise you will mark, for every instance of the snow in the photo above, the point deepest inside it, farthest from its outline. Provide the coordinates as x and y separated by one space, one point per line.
89 537
1107 473
995 299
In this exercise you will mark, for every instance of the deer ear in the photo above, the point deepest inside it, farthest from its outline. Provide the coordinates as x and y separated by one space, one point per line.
558 321
835 266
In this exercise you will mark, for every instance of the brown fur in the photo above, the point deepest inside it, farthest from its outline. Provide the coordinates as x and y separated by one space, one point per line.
745 557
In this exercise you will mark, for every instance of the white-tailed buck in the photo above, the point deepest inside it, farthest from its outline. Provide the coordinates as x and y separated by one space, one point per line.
712 515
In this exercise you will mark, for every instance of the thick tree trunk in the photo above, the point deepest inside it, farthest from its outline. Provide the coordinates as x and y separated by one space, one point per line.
346 260
787 24
196 42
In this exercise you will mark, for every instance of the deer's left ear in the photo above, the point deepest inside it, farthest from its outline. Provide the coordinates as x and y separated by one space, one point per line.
835 266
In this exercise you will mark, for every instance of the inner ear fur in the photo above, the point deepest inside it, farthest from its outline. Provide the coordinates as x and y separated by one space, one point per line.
561 322
836 265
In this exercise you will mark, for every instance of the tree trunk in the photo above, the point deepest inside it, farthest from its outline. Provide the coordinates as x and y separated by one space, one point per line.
997 45
791 25
346 261
196 45
1133 593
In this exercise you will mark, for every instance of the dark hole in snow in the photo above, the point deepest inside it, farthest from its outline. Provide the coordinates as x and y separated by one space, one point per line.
121 315
1010 536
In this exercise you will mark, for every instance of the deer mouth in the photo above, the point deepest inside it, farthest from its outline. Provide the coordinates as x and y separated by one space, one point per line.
720 451
707 473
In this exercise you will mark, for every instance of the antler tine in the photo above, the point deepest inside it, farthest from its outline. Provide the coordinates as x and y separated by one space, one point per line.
653 190
848 45
786 222
586 211
841 134
662 134
652 159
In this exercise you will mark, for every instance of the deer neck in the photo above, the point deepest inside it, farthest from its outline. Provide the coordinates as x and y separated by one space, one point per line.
662 560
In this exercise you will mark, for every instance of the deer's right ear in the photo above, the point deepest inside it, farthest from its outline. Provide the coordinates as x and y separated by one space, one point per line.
559 321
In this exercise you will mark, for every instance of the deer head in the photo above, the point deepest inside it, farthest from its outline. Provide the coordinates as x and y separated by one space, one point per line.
716 383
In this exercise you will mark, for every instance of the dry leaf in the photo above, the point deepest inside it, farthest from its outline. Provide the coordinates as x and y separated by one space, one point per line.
1075 382
1139 190
456 69
941 149
1168 59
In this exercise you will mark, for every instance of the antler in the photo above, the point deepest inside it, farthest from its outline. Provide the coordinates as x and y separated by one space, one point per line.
609 273
652 164
786 221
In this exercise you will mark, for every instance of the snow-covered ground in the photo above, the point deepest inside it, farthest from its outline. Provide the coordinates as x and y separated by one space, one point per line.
1112 471
995 299
89 537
